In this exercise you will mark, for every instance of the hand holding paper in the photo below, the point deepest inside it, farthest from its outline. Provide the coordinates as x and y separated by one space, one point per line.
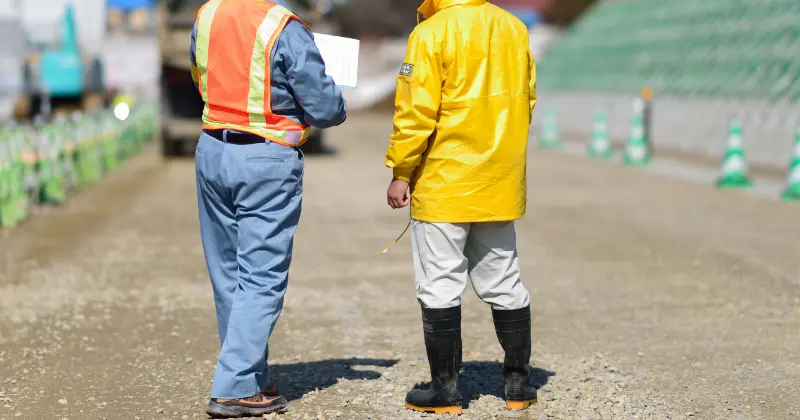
341 58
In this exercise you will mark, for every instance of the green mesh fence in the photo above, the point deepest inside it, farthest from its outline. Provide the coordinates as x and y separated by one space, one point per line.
41 164
728 49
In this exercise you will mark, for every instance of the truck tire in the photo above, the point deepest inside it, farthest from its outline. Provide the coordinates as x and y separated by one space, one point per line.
23 108
30 77
29 103
170 147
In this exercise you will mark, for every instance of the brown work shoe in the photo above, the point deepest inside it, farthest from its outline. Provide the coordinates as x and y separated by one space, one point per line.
271 391
257 405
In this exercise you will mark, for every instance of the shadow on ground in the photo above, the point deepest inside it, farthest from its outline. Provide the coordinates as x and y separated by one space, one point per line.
297 379
486 378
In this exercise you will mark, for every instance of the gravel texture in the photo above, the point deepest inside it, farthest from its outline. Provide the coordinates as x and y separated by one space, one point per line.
652 299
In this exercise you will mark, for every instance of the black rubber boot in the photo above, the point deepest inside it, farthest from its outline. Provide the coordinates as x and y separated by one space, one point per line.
443 344
514 332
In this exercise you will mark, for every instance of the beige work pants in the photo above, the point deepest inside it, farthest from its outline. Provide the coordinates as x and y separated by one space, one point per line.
448 255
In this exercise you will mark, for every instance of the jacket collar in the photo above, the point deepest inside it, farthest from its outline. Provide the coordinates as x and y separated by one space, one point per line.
430 7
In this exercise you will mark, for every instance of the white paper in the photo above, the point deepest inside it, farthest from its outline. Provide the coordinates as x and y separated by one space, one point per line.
341 58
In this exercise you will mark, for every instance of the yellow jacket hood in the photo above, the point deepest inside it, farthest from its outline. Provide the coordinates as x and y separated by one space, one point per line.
429 7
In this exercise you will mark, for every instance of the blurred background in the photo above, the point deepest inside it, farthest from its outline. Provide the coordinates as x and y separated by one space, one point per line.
87 82
655 295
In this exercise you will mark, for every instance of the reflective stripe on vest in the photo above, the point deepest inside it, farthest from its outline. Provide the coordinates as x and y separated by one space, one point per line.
234 45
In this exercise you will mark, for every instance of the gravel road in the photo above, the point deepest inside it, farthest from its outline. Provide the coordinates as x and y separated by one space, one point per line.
652 299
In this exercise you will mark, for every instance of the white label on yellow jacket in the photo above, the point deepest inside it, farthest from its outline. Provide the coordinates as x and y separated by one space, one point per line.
406 69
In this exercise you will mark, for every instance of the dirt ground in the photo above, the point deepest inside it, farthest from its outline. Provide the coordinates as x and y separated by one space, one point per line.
652 299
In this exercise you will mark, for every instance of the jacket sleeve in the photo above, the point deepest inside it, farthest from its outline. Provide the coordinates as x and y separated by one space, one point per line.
416 107
532 84
315 91
193 57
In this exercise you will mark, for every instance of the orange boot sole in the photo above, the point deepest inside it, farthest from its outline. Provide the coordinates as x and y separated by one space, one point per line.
435 410
519 405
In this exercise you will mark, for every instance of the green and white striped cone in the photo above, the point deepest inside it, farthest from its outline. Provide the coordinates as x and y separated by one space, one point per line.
792 191
36 180
53 190
66 160
31 174
79 154
95 149
19 197
550 138
6 218
127 140
132 138
136 129
636 148
734 164
600 144
44 167
85 154
146 124
110 144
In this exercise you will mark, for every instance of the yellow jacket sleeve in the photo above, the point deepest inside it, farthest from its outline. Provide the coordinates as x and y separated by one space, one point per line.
416 108
532 83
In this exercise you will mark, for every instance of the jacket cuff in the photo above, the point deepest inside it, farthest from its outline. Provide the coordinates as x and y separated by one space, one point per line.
403 174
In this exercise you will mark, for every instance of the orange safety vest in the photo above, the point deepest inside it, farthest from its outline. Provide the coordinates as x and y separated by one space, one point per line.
233 50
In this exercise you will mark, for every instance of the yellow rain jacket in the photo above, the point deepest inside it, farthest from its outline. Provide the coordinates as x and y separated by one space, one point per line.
465 96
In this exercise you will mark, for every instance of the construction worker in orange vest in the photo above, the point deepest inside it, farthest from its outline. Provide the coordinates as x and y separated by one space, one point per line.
264 85
465 96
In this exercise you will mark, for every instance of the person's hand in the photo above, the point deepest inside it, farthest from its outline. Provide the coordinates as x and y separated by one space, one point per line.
397 194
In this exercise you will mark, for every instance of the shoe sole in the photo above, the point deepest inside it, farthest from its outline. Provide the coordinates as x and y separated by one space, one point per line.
435 410
218 411
519 405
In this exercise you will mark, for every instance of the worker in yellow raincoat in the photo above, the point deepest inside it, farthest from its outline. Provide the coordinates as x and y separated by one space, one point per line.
465 96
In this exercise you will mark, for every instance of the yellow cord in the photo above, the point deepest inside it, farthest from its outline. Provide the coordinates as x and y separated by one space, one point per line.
396 240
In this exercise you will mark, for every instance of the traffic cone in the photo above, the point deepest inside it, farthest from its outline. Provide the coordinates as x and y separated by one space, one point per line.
792 191
16 204
600 145
5 180
734 165
636 149
550 138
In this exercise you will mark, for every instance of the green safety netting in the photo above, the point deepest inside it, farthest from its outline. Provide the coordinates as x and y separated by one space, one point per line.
41 163
730 49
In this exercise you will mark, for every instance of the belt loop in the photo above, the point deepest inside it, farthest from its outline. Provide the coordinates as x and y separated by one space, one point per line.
225 135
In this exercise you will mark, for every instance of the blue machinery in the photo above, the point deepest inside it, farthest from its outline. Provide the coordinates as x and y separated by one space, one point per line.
62 74
61 70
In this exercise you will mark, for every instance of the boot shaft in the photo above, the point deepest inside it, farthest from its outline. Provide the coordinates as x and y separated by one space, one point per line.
442 329
514 333
513 328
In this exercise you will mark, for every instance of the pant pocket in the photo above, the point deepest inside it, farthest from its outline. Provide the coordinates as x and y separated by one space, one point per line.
301 161
267 151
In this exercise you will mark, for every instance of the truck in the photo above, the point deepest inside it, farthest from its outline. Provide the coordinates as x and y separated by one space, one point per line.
181 104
